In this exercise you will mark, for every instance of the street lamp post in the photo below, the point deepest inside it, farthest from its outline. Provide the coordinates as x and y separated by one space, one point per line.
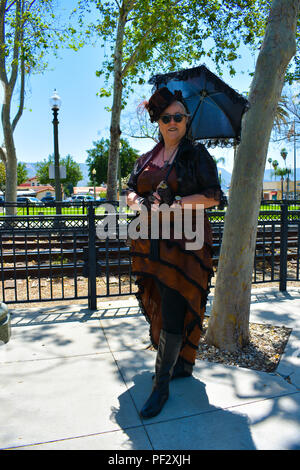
94 181
55 103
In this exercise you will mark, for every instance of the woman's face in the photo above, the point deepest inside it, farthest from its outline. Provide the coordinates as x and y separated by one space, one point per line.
173 132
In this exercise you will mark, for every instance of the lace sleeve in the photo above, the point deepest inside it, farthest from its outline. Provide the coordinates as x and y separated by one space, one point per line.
131 184
216 193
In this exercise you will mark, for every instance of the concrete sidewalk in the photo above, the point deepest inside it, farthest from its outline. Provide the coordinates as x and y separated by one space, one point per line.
71 378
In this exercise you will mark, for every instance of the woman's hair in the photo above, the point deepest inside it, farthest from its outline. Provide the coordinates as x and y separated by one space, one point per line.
161 99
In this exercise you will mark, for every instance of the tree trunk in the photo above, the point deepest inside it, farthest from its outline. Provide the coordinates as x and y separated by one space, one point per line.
10 153
115 132
229 322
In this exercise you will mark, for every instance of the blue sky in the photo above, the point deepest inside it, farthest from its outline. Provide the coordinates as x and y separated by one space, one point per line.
82 117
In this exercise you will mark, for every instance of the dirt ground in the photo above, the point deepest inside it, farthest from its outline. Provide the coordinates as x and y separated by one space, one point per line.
66 291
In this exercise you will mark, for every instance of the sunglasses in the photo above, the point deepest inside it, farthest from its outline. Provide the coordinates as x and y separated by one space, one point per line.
166 118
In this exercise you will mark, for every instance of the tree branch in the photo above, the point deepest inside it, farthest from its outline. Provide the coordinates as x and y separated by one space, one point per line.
22 93
140 136
135 53
130 5
15 65
9 6
33 1
3 155
3 75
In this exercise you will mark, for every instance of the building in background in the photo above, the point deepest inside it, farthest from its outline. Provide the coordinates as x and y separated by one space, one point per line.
32 187
272 190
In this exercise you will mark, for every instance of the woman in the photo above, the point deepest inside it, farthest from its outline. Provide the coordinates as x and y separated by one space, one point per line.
173 282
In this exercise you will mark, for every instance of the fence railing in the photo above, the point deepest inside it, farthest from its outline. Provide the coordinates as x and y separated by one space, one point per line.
49 208
54 257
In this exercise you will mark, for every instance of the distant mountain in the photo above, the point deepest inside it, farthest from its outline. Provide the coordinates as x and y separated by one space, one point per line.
85 172
31 171
225 178
225 175
268 176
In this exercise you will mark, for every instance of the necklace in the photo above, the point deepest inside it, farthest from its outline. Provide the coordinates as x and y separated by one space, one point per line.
166 162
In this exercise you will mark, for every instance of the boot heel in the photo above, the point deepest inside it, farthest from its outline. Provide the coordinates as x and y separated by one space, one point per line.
167 355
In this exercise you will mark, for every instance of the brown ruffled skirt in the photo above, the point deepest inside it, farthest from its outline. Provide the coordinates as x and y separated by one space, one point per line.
186 271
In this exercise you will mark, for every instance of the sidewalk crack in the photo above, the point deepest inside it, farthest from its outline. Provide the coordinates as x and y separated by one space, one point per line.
287 378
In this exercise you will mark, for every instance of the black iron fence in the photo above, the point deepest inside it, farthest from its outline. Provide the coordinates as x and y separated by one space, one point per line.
54 257
46 208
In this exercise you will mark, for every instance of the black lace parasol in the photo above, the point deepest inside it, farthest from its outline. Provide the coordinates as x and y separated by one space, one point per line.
216 109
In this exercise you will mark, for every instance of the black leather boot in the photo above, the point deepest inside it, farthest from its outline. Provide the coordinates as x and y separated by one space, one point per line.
182 369
167 354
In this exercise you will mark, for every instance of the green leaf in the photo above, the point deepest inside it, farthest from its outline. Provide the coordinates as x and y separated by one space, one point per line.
103 93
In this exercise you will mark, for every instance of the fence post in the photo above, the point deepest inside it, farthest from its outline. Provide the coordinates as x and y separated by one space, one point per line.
92 260
283 245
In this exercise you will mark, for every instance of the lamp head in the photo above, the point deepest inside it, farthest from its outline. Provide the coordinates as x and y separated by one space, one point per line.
55 101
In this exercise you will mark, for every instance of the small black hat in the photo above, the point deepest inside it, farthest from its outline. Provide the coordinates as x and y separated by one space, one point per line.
160 100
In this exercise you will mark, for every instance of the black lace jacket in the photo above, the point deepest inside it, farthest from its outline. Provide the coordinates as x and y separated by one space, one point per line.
195 169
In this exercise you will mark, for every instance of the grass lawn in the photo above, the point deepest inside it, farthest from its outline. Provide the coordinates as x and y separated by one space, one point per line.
82 210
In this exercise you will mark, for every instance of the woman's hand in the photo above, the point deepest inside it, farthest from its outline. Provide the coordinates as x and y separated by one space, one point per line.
156 202
137 203
134 201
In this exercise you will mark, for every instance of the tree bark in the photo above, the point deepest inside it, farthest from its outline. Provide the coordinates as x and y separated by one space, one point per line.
115 132
229 322
10 152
